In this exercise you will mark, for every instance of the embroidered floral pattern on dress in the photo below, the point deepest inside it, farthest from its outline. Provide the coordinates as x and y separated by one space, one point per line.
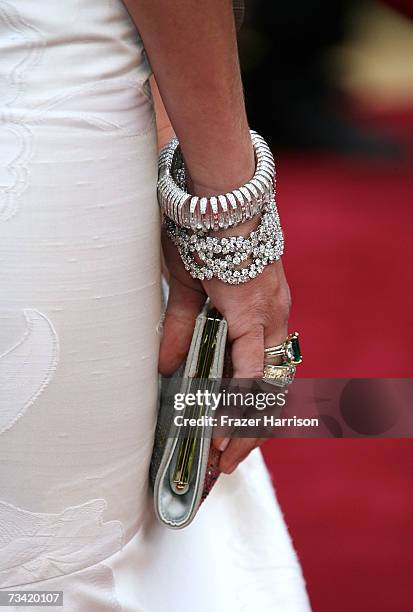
91 104
18 140
36 546
27 367
29 44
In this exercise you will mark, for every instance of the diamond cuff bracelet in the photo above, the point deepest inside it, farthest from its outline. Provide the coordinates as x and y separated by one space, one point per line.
214 212
205 257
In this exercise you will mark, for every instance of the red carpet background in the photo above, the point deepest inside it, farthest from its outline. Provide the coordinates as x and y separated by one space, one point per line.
349 260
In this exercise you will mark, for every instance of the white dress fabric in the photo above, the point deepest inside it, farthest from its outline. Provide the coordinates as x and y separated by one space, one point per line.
79 335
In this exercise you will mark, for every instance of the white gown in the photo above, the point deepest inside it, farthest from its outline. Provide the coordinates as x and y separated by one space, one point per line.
79 334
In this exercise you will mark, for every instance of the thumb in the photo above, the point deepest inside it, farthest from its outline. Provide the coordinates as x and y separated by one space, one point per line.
184 305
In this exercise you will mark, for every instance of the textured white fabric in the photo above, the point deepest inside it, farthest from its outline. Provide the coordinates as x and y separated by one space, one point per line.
79 312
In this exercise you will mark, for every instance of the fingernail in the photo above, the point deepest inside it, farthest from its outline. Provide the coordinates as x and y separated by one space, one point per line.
223 444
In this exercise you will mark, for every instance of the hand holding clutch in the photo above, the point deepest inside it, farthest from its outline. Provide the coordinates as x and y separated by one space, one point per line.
184 465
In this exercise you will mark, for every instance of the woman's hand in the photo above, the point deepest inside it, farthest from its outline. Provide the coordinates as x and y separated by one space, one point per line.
257 314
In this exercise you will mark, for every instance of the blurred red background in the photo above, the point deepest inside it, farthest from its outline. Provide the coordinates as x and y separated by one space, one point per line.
349 503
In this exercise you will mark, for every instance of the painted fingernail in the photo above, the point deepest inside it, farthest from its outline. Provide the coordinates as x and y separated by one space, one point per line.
223 444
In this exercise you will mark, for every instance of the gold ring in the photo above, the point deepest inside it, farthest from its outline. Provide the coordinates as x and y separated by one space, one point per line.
279 375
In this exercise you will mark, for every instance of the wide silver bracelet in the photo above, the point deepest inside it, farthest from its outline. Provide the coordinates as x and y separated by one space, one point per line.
219 211
234 259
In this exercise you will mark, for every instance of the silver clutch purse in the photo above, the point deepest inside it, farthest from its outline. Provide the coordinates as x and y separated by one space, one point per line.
184 465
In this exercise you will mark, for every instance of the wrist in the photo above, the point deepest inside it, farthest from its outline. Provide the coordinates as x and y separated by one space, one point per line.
231 236
231 200
224 172
225 183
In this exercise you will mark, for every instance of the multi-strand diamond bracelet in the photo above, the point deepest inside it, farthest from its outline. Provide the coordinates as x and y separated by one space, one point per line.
190 220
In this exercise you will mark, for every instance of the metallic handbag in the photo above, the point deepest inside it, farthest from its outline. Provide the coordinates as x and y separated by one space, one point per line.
184 465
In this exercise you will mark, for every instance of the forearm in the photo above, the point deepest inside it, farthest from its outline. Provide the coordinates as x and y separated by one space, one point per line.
165 130
193 52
